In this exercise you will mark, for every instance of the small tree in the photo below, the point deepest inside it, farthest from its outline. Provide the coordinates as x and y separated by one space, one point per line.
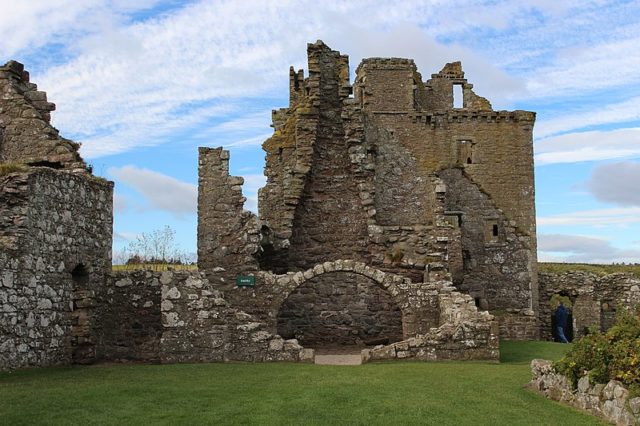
155 250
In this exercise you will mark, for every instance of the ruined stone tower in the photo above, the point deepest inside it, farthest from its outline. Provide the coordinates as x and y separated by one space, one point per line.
389 172
55 234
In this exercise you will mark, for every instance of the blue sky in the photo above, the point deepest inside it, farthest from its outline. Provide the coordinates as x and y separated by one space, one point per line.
143 83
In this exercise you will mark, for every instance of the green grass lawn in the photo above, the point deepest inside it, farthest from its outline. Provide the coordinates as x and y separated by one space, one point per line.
443 393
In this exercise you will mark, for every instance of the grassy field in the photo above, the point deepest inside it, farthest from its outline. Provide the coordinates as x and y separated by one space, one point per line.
586 267
444 393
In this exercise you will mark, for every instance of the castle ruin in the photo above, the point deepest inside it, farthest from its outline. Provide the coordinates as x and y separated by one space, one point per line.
396 219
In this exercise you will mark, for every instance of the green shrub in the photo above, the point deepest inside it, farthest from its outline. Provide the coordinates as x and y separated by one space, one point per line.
607 356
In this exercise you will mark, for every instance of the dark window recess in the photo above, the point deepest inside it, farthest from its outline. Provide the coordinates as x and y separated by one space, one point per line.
495 230
477 301
49 164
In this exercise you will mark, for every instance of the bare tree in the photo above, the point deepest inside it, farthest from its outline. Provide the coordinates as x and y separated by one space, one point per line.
155 250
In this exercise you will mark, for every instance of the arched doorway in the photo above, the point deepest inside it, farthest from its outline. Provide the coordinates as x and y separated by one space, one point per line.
340 309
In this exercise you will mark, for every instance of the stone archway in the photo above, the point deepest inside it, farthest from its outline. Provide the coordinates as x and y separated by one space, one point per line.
401 293
340 309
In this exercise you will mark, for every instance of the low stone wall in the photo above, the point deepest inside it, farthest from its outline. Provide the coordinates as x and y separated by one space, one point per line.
201 326
521 325
610 401
466 334
595 298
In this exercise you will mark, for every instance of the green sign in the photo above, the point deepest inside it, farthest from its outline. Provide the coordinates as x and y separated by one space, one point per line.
245 280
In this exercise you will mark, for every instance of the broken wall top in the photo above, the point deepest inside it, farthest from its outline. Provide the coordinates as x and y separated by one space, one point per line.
26 134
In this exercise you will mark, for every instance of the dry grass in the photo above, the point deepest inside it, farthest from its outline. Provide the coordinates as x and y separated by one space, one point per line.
6 168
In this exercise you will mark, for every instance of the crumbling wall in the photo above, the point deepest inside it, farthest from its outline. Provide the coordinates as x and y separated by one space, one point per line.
464 333
228 236
329 222
200 325
26 135
55 249
595 299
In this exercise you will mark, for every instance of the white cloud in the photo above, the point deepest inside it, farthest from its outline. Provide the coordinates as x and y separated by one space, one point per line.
588 146
599 217
578 248
626 111
616 183
160 191
586 68
34 23
143 83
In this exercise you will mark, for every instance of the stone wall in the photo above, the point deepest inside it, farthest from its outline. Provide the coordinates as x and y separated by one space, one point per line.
228 236
55 249
26 135
595 299
464 334
610 401
130 320
522 325
497 258
372 177
200 325
347 309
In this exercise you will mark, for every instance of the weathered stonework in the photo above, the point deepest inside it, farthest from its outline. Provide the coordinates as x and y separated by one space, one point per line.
55 249
387 173
130 319
26 135
595 299
391 220
610 401
228 236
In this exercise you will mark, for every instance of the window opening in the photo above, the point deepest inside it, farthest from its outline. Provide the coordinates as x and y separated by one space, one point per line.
458 98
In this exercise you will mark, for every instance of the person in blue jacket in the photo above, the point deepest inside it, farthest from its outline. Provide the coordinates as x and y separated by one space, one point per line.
561 315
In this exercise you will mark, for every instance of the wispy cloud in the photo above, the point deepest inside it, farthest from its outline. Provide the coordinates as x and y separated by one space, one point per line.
588 146
160 191
590 115
579 248
598 217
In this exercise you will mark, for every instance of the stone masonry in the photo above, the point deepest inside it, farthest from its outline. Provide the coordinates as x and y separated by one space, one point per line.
595 299
55 248
391 220
387 173
610 401
26 136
